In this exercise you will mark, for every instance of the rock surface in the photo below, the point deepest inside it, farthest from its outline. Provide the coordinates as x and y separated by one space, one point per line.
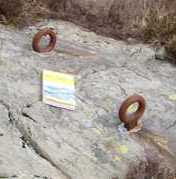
40 141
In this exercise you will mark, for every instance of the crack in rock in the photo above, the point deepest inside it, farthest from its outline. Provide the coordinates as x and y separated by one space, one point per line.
28 116
26 137
37 149
6 176
10 114
123 91
172 125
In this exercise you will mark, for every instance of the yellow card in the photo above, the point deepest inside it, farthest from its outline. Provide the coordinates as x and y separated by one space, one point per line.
59 89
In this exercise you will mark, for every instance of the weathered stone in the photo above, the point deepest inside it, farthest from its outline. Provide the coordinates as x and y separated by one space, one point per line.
88 143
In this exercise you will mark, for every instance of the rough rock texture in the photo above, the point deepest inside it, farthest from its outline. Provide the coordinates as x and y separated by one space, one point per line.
40 141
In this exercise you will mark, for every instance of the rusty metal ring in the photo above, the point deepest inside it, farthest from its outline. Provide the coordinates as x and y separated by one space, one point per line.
131 121
39 35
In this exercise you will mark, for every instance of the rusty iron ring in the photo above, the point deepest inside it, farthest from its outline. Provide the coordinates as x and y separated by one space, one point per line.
39 35
131 121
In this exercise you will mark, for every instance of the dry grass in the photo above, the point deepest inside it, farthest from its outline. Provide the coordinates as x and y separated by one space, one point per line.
22 12
10 9
160 25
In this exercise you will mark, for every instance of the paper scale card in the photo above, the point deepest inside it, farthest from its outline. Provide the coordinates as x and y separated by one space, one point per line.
59 89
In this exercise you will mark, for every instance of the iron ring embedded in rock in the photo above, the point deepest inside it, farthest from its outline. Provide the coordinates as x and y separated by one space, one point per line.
131 121
39 35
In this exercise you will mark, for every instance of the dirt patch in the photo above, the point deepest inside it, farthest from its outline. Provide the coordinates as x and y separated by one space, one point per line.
22 12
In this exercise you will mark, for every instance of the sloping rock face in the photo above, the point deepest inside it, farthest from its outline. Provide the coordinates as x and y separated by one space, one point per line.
40 141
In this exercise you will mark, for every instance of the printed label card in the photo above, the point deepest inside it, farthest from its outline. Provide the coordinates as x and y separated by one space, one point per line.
59 90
